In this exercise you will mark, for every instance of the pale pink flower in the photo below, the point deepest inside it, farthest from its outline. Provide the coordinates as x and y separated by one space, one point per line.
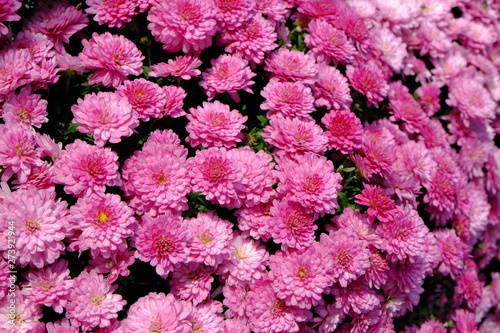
58 23
331 89
184 67
343 130
464 322
38 44
231 14
25 108
113 266
357 222
16 66
8 12
174 101
274 10
251 41
186 25
391 48
210 238
62 326
254 221
235 325
412 159
107 116
114 57
404 107
146 98
84 169
328 43
311 181
115 12
27 314
292 65
357 296
160 312
235 299
428 98
291 225
290 99
228 74
162 241
206 318
368 80
214 124
49 286
295 136
92 302
192 282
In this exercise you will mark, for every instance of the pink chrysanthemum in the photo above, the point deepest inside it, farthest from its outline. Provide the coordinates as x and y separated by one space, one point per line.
328 43
472 100
115 12
405 236
291 99
207 318
103 224
267 313
184 67
404 107
469 288
390 48
156 312
17 152
252 41
376 274
292 65
369 80
311 181
216 176
156 179
4 274
39 221
25 108
16 66
350 255
453 252
408 274
247 263
301 278
8 12
254 221
62 326
464 322
49 286
357 222
85 169
26 314
146 97
92 302
291 225
36 43
192 282
412 159
107 116
174 101
428 98
231 14
186 25
210 238
113 266
162 241
58 23
214 124
235 325
357 297
256 185
295 136
344 131
235 299
379 204
227 74
274 10
331 89
114 57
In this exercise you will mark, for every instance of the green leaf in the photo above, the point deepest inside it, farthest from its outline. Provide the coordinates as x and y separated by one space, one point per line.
72 128
263 120
351 169
342 198
146 70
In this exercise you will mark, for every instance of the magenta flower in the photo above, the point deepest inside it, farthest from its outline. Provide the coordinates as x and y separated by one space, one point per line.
369 80
255 221
379 204
214 124
343 130
39 220
206 318
115 13
357 297
162 241
146 97
227 74
8 13
292 65
62 326
17 68
290 99
114 57
192 282
232 14
184 67
300 278
210 239
186 25
331 89
25 109
174 101
27 314
92 302
113 266
350 255
103 224
84 169
453 252
274 10
157 312
107 116
311 181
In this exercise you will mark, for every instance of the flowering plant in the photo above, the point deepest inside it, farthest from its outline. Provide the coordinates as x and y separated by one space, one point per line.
250 166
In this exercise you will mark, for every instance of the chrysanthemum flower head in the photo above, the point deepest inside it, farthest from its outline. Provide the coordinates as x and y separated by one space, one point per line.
231 14
184 67
292 65
369 80
379 204
8 13
39 220
38 44
85 169
92 302
186 25
115 12
26 314
192 282
290 99
146 98
162 241
114 266
228 74
331 89
25 108
274 10
453 252
17 68
343 130
357 296
255 220
113 57
214 124
107 116
174 101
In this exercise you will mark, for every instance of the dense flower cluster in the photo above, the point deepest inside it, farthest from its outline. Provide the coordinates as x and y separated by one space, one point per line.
250 166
